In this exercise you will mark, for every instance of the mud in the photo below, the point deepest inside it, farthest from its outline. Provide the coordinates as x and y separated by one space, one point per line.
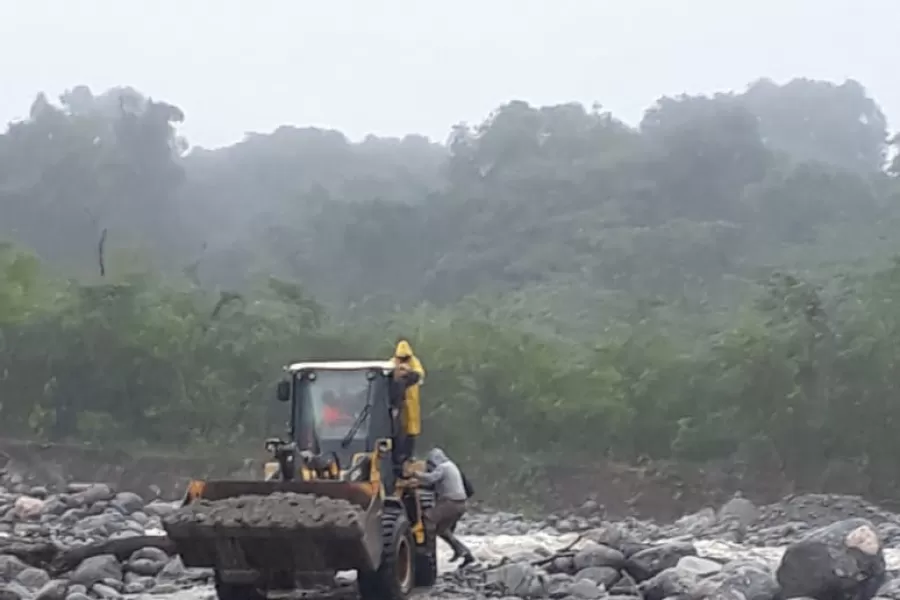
282 512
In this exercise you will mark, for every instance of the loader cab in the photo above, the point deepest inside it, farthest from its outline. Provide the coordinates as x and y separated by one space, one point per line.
340 413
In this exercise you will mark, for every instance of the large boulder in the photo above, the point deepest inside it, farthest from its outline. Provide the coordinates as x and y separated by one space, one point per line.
843 561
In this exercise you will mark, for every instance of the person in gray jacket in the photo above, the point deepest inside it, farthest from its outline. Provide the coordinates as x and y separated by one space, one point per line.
450 504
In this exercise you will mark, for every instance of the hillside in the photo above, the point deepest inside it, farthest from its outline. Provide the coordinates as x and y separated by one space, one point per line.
717 282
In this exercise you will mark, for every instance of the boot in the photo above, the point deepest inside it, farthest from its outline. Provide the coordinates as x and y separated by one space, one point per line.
459 550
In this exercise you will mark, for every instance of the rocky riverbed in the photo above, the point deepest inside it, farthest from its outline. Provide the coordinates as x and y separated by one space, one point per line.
88 541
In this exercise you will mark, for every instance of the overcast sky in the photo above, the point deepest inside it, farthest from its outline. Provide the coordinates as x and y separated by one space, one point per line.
396 66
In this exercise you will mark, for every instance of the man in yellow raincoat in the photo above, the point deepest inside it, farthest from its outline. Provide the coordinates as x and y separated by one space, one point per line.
409 374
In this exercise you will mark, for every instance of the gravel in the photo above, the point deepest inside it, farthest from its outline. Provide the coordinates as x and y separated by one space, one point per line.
737 550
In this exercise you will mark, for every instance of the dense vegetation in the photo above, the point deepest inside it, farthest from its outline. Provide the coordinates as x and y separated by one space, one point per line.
717 282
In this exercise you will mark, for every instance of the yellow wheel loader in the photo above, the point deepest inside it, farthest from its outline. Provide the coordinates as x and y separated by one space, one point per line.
334 497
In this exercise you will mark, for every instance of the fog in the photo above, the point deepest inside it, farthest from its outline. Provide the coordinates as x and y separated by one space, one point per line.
402 66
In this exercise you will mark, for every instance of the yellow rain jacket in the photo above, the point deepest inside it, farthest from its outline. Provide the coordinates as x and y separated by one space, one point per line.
411 419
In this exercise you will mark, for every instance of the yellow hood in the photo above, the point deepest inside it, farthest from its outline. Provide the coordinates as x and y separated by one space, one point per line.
403 349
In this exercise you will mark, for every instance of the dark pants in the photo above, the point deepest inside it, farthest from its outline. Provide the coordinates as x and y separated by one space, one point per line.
443 517
404 445
409 446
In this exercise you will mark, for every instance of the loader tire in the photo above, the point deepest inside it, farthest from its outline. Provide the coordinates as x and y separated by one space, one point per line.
396 576
426 554
237 591
426 565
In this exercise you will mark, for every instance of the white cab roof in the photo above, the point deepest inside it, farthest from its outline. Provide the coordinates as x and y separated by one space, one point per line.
342 365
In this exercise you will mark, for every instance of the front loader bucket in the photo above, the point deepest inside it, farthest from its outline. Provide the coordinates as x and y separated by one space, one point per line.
247 528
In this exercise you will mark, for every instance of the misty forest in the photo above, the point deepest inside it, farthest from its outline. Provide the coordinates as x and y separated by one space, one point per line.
718 282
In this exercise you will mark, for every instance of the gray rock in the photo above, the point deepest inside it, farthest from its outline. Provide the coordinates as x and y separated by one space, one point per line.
842 560
17 588
647 563
739 509
54 506
104 591
625 586
128 502
668 582
743 580
629 548
702 567
890 589
562 564
10 567
52 590
10 592
73 515
584 588
613 535
77 588
113 583
38 491
104 524
33 578
598 555
145 566
139 586
518 579
95 569
160 509
698 522
605 576
174 569
558 585
77 596
133 581
150 553
164 588
93 493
